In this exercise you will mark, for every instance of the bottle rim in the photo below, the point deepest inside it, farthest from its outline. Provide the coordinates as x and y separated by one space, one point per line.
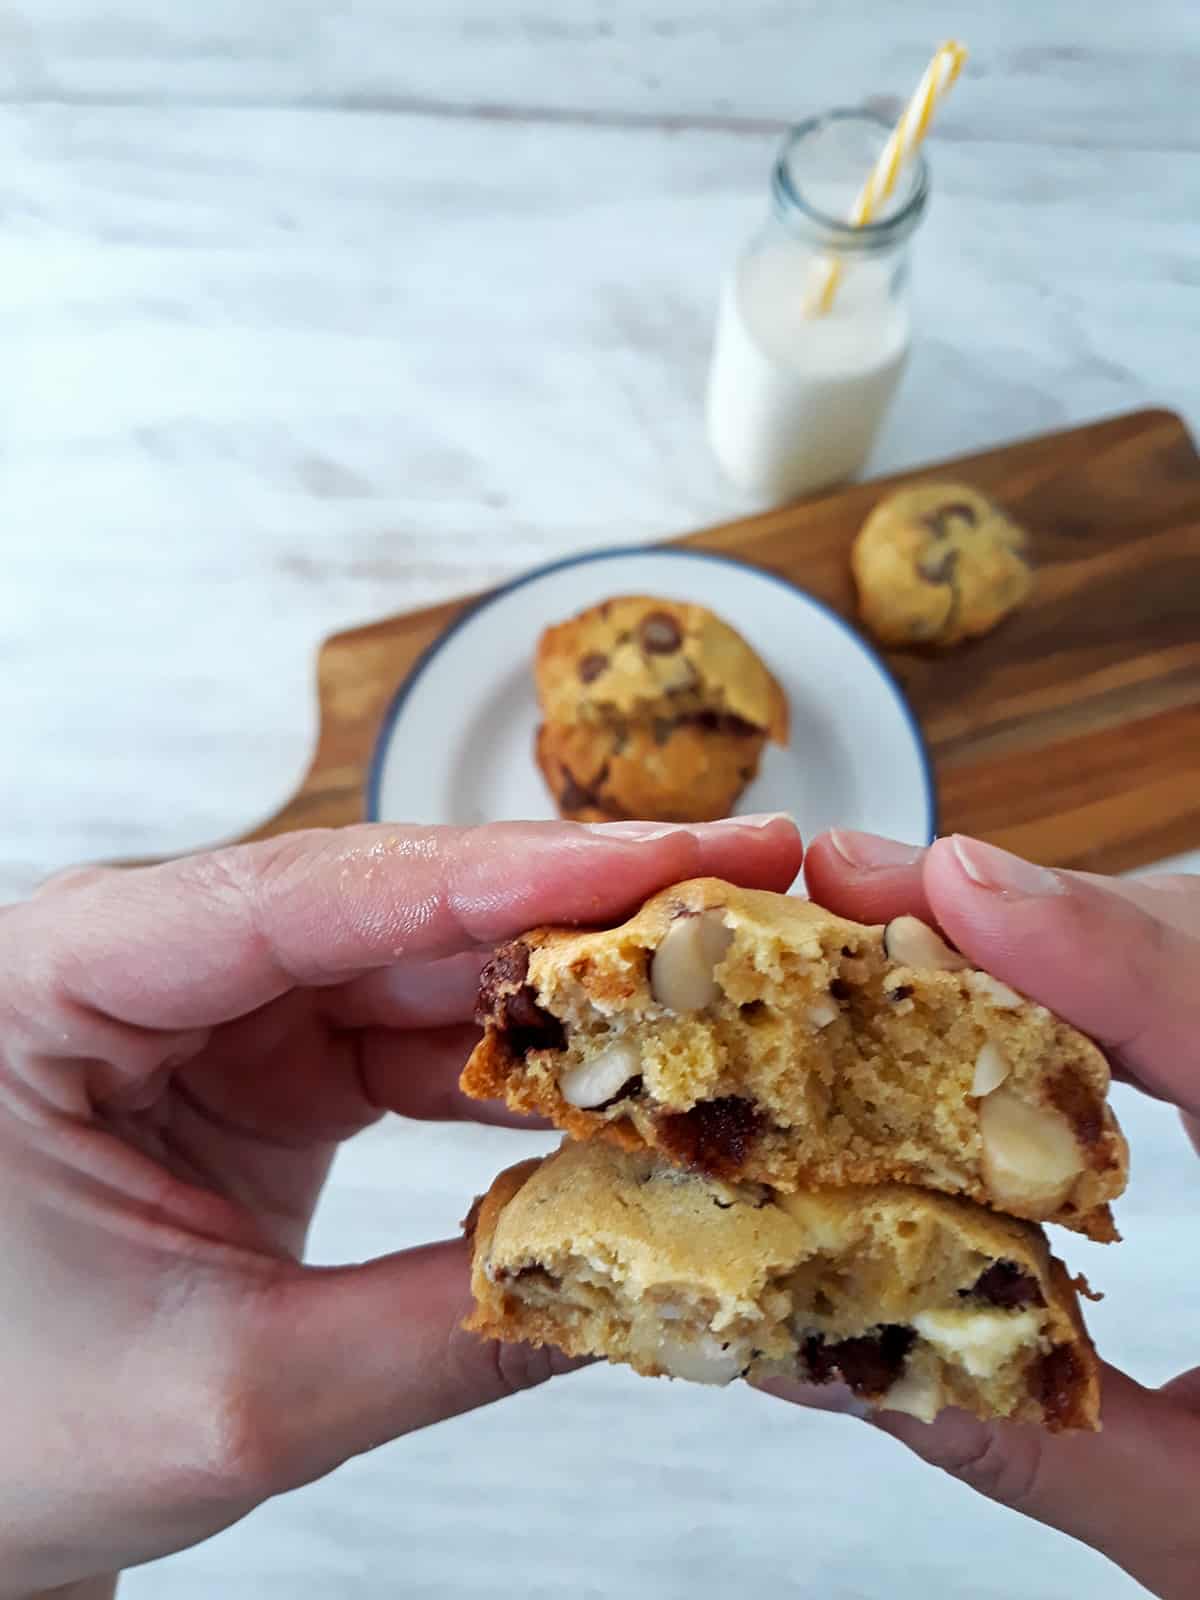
791 204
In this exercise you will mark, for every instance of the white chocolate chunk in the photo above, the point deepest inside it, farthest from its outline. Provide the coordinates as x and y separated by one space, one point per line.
1030 1158
703 1360
918 1394
995 992
980 1339
912 943
823 1012
681 973
595 1081
991 1069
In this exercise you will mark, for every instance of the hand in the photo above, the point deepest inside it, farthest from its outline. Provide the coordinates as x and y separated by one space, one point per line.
181 1050
1120 960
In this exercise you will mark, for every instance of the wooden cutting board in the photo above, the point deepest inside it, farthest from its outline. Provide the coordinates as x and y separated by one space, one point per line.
1071 734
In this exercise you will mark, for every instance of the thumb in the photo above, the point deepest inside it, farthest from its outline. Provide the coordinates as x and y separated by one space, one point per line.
1097 957
351 1357
1128 1491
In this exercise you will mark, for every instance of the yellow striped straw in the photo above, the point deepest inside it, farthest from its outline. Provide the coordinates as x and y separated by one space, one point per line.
902 144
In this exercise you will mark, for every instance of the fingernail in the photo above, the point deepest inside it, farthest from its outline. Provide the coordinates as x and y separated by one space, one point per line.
659 830
1003 873
635 830
868 852
755 819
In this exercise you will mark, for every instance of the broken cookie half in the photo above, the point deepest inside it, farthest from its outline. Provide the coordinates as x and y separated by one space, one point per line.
756 1037
914 1300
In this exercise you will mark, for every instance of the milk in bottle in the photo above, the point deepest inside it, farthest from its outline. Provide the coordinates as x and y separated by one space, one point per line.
796 398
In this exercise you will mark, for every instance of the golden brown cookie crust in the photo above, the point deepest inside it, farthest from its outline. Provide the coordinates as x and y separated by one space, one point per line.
672 772
618 1255
818 1059
938 563
653 709
637 657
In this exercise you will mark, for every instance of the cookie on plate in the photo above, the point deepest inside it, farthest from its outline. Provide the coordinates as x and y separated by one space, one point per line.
757 1037
637 657
914 1300
938 563
653 709
689 770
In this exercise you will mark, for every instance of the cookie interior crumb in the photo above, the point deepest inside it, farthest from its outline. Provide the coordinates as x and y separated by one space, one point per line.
807 1055
914 1300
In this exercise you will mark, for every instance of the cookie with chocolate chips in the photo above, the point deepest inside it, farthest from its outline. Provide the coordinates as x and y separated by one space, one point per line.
938 563
912 1300
653 709
686 769
757 1037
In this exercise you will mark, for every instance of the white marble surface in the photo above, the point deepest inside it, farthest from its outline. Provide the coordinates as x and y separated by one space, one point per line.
313 311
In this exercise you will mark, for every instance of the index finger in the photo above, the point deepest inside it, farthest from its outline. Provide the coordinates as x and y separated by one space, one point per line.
199 941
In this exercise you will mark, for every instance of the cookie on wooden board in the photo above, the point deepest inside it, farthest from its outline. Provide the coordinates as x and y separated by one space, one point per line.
937 563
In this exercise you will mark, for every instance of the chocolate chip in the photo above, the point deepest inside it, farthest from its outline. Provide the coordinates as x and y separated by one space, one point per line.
527 1026
1005 1284
1057 1381
660 634
575 796
534 1273
627 1091
507 1001
869 1364
1079 1103
938 522
591 666
721 722
714 1137
507 970
938 568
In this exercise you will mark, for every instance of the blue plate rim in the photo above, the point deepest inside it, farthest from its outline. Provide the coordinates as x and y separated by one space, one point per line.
383 737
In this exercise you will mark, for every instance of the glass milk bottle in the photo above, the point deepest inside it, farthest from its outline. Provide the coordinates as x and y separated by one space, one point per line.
795 399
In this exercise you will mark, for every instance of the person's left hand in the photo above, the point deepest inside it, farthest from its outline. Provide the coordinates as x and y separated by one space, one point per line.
181 1050
1120 960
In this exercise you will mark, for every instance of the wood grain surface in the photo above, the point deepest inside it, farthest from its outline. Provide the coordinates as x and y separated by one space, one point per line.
1071 734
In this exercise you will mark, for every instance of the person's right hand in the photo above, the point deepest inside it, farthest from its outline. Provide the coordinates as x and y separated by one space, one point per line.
1120 960
182 1050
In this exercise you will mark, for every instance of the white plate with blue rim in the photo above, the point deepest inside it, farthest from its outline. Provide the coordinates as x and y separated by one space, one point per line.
456 745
